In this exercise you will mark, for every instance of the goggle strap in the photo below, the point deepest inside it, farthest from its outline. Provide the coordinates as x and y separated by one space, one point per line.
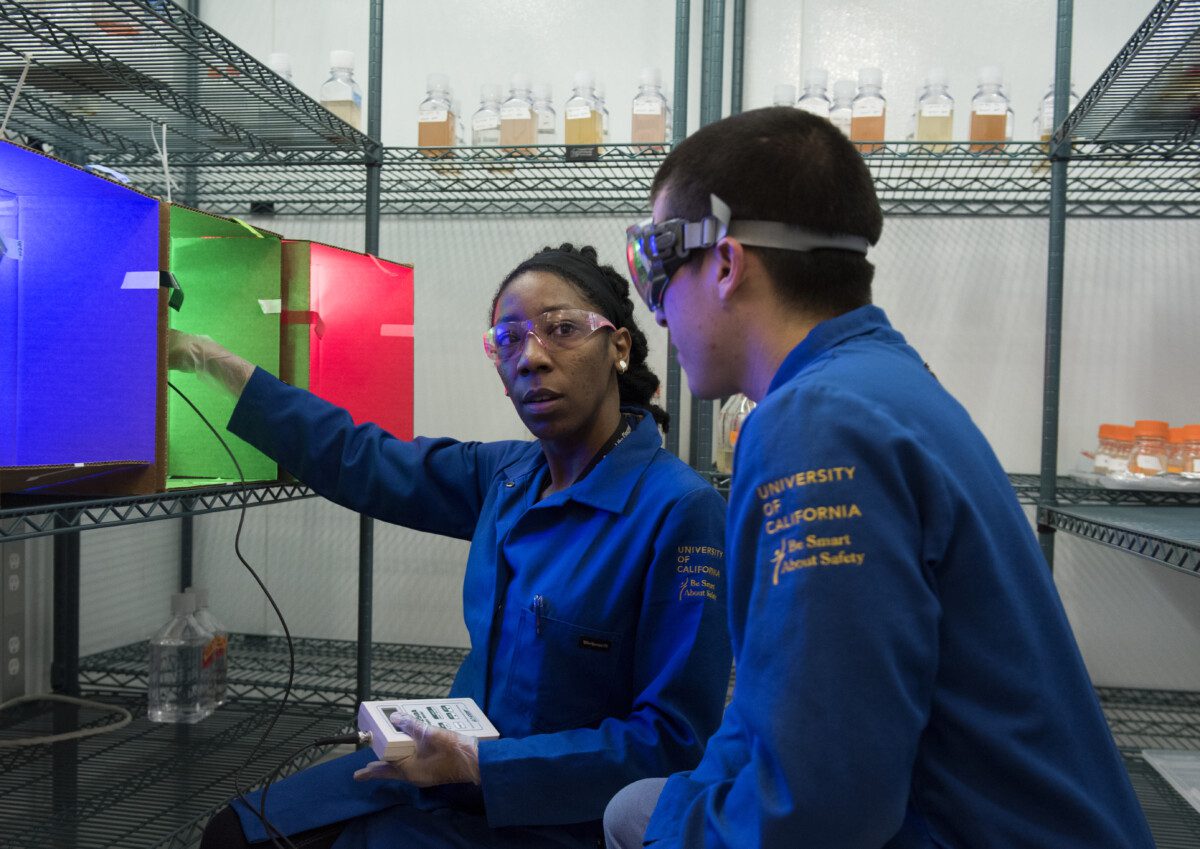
702 234
790 237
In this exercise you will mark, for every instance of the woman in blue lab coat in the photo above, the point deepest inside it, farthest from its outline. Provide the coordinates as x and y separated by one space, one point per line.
594 586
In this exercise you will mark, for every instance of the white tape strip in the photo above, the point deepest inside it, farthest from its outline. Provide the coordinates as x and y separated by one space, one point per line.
396 330
140 280
271 306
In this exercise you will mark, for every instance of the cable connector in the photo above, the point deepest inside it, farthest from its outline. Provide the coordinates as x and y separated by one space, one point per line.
357 738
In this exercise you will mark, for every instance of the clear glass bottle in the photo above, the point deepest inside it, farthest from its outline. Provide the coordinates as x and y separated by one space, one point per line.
1174 450
216 653
340 93
543 109
733 414
1149 456
1110 455
1190 456
843 105
1043 122
814 99
435 118
783 95
581 114
485 123
518 124
651 120
989 112
179 688
868 111
935 111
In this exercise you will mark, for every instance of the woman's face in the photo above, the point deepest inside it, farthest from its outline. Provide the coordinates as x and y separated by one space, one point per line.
559 394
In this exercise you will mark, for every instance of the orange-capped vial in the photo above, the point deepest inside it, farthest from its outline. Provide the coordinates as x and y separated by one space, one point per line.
1174 450
1149 457
1109 455
1190 455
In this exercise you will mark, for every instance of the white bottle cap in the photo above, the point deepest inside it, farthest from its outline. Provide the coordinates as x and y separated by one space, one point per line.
280 63
990 75
490 92
870 76
542 91
935 76
584 79
342 59
437 82
651 77
183 604
201 594
844 89
816 78
785 93
519 82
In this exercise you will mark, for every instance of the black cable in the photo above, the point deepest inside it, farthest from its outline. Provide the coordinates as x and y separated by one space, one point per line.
261 813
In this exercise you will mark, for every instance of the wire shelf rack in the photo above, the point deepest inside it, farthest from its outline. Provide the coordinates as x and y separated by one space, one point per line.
1167 535
145 786
103 74
325 670
1151 90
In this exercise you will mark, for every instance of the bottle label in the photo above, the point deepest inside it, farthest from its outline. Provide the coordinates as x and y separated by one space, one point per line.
814 106
515 113
546 121
1150 462
575 113
937 110
647 107
872 108
432 116
841 120
990 108
485 122
1196 464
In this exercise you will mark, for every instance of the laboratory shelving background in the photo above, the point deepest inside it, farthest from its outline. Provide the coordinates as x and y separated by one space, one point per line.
243 142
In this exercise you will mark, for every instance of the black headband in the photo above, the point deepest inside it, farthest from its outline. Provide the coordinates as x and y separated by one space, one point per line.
580 270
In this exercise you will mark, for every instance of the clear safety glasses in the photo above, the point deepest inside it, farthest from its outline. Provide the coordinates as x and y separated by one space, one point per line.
655 250
557 330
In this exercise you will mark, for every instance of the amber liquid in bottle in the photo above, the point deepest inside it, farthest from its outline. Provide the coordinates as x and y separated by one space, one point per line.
987 132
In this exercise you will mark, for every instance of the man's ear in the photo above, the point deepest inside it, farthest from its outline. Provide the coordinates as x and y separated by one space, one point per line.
731 267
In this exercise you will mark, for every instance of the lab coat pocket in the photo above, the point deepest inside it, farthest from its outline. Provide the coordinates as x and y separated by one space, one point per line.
571 670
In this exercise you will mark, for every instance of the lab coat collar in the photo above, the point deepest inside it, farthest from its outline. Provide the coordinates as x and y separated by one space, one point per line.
829 334
610 485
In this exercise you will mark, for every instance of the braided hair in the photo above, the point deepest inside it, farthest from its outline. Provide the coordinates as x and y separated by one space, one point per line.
608 291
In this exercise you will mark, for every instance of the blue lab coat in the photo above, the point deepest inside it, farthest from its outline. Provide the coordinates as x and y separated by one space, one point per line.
906 675
619 674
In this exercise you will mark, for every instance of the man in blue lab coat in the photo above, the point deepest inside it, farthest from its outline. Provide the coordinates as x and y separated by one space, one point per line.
906 675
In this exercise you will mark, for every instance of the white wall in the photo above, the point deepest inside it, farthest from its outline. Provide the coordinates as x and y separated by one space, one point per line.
968 292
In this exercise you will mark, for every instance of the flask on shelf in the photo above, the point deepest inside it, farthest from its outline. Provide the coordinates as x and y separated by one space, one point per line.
543 110
1174 450
1112 450
868 111
784 94
178 687
281 64
843 105
1149 455
216 654
1190 455
733 414
1043 123
814 99
485 123
340 93
582 127
989 112
518 124
651 113
935 111
435 118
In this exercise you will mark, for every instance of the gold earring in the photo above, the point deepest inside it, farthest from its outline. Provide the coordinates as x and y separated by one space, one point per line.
622 366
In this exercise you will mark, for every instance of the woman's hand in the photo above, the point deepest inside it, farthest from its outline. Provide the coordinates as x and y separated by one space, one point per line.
202 356
440 757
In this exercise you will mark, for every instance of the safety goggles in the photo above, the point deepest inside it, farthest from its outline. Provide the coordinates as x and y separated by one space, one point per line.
556 330
655 250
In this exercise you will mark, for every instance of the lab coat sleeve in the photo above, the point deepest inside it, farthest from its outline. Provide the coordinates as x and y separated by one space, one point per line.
434 485
836 654
681 675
